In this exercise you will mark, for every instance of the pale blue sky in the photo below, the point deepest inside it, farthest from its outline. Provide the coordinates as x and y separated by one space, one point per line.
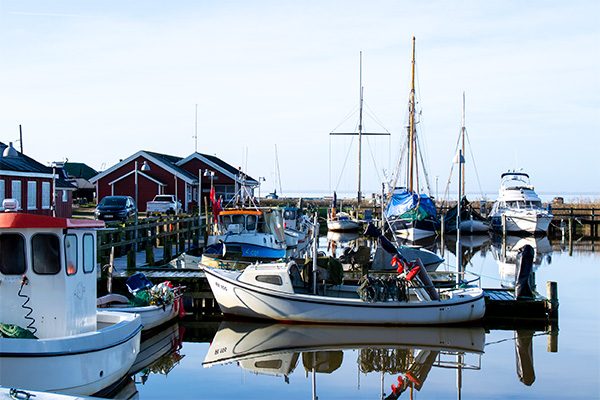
97 81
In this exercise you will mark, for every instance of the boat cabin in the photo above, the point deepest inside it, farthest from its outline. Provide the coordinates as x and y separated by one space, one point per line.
281 277
240 221
47 273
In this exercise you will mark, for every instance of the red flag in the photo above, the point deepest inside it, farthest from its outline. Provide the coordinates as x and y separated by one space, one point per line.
213 200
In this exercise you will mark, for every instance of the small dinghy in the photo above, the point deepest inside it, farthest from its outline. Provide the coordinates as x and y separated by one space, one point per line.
53 338
155 304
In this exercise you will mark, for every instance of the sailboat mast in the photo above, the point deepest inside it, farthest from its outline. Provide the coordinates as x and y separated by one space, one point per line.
411 123
359 196
463 132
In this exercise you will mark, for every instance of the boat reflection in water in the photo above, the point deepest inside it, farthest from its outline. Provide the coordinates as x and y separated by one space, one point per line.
507 253
159 354
408 353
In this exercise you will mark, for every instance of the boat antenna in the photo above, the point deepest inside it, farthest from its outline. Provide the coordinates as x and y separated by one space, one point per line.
196 130
278 171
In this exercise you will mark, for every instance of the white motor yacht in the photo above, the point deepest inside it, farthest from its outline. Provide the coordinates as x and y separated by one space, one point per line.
518 208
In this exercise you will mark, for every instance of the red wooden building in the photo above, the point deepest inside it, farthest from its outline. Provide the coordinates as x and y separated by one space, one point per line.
32 185
170 175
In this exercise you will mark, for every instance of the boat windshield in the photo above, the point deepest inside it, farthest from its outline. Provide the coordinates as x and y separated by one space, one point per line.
289 214
524 204
239 222
12 254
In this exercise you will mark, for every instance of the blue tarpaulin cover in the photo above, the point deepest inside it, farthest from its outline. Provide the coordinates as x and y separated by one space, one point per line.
410 205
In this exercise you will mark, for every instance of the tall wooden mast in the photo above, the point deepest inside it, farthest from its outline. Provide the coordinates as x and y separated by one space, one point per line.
411 124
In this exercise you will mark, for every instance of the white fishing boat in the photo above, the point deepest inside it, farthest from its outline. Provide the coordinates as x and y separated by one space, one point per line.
155 304
342 222
250 233
277 291
58 341
518 208
151 316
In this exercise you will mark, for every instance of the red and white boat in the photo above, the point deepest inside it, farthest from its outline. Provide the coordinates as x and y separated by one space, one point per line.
57 340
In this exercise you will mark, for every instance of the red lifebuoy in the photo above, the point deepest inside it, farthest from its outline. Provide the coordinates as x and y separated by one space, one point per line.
412 273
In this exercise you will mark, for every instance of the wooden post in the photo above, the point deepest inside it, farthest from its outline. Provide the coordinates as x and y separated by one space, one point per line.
111 264
552 295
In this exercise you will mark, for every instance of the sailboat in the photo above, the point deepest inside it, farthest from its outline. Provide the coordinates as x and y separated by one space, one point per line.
411 215
341 221
471 221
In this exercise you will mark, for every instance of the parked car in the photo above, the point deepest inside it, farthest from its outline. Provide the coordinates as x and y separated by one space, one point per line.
163 204
115 208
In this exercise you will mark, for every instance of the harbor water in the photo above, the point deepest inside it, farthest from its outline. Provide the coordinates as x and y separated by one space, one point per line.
204 358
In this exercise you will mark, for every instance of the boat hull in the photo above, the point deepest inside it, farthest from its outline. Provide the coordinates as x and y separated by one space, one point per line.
529 223
413 230
474 226
151 316
343 226
242 299
80 365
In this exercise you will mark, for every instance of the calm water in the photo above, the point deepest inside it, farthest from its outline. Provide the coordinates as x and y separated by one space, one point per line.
258 361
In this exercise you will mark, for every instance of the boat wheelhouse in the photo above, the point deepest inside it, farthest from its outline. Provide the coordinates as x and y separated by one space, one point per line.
249 233
53 338
518 208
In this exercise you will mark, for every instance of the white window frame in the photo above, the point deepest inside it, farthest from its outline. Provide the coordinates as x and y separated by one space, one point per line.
45 195
2 192
16 186
31 195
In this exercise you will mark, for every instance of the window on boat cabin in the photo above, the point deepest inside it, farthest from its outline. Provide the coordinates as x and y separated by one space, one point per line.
71 254
88 253
65 196
45 250
289 214
270 279
251 221
12 254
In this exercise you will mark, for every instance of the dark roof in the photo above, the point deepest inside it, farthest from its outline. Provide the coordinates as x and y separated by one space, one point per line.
172 161
22 163
225 166
79 170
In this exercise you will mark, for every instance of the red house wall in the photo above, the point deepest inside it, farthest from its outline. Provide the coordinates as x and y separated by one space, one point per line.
194 165
63 209
147 189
